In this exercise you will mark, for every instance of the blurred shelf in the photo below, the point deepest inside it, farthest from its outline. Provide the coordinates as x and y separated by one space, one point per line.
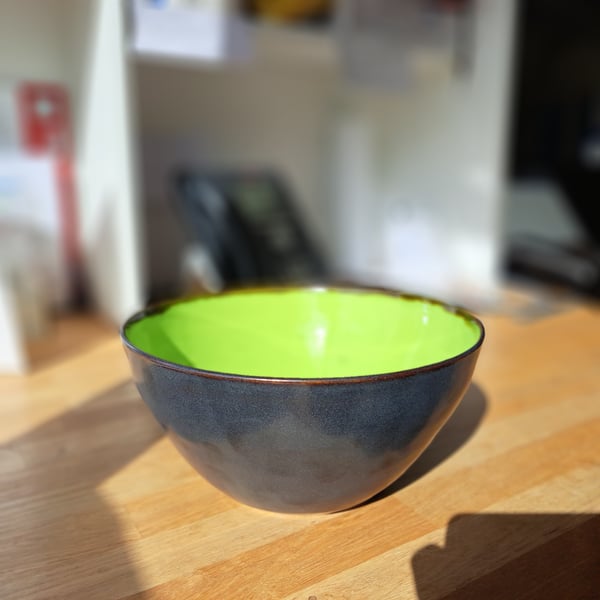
261 43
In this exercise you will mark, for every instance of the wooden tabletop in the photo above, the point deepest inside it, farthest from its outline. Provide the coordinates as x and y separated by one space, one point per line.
96 503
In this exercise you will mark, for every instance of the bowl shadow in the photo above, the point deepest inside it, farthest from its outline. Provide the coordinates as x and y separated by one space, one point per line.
495 556
64 538
454 434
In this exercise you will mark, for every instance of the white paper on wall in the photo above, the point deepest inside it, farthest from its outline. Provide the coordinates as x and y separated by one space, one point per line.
29 203
204 31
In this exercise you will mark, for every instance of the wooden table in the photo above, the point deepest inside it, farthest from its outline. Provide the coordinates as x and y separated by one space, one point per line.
96 503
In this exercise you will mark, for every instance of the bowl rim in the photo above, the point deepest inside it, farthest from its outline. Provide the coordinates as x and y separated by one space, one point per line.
161 306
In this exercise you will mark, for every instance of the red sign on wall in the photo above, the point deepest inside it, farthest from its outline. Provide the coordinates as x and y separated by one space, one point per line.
46 129
45 121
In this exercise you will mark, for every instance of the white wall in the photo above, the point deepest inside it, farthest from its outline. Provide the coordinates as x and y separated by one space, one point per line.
260 115
80 43
416 177
31 47
430 204
31 40
109 216
405 187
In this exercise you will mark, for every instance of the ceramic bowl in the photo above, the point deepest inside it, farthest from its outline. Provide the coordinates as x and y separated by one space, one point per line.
302 399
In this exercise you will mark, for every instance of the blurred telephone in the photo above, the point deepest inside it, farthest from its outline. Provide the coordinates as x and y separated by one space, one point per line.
244 229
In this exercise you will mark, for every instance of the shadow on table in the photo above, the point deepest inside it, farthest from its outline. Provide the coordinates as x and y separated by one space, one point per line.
67 541
513 556
455 433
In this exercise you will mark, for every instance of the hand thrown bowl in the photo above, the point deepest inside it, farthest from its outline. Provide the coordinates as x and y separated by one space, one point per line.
302 399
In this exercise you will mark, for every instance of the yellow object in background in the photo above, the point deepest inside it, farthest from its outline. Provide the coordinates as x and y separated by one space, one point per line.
289 10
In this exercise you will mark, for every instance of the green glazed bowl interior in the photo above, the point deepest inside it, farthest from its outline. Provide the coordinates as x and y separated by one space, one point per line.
310 333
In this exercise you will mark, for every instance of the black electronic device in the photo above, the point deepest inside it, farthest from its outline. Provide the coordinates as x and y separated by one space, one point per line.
249 225
571 267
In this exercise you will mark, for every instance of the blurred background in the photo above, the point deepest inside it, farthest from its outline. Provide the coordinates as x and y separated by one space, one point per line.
154 148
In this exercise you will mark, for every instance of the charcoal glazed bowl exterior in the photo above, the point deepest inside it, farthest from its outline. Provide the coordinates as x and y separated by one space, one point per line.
301 445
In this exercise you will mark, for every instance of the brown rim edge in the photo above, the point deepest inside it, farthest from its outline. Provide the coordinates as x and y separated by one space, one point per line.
159 307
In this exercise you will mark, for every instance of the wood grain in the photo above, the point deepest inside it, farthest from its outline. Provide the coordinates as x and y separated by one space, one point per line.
96 503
